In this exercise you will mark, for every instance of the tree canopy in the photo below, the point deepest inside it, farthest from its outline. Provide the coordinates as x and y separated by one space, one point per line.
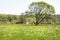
41 10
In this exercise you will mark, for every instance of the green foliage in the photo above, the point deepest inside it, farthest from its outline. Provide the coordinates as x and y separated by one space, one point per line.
44 9
3 18
8 18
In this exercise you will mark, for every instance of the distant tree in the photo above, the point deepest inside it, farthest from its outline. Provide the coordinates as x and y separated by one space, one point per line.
22 18
3 18
41 11
10 18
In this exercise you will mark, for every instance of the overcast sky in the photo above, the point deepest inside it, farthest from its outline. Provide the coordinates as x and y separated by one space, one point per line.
19 6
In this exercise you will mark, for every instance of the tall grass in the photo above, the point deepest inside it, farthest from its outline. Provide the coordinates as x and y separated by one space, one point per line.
29 32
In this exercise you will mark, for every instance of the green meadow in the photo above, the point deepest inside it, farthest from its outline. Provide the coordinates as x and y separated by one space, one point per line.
29 32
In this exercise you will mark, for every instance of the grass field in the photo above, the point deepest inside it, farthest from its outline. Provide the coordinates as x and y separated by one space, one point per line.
29 32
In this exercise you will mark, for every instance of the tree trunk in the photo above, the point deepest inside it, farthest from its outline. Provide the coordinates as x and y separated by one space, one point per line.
36 23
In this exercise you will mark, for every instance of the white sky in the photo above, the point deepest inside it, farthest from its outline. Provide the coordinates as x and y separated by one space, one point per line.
19 6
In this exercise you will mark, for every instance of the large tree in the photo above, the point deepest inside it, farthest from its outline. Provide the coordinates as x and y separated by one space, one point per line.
42 10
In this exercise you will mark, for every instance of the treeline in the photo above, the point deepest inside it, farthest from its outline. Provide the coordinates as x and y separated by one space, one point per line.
8 18
58 18
16 19
21 19
13 19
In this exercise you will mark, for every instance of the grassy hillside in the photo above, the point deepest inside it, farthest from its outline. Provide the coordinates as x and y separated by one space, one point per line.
29 32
